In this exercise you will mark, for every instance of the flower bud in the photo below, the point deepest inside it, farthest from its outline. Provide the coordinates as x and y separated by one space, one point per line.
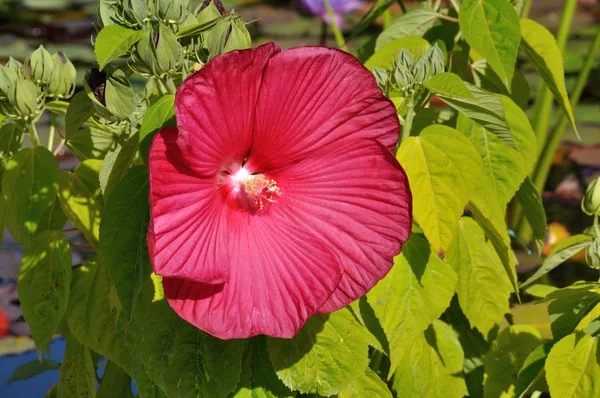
592 254
210 10
112 95
40 66
8 77
172 11
16 66
23 96
591 201
159 50
136 11
64 77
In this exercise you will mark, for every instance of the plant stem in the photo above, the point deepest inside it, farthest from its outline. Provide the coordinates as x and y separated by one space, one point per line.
35 139
402 6
387 18
51 132
323 39
447 18
455 5
337 33
408 121
526 8
545 160
544 100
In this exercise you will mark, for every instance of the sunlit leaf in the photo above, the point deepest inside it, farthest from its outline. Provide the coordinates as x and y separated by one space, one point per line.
413 23
77 373
114 41
367 385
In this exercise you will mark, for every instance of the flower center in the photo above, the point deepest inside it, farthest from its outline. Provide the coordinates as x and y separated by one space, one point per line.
254 192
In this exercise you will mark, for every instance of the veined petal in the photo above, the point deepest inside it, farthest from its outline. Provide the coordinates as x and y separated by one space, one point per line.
187 237
215 108
280 275
313 96
355 197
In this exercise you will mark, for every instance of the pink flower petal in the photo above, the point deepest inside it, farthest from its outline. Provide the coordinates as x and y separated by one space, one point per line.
280 275
215 108
188 232
312 96
355 197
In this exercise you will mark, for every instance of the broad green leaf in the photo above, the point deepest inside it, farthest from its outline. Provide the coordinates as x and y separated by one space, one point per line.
123 231
29 185
93 319
540 290
160 114
561 253
114 41
258 379
186 362
79 111
115 383
77 377
90 143
540 46
506 357
533 208
44 285
367 385
81 206
33 368
366 316
11 138
531 375
334 353
572 368
378 8
487 79
491 27
413 294
483 287
413 23
569 306
433 366
387 55
116 164
443 168
480 105
494 226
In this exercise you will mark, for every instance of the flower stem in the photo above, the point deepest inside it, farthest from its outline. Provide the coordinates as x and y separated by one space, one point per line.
454 4
402 6
35 139
408 121
387 18
51 133
337 33
526 8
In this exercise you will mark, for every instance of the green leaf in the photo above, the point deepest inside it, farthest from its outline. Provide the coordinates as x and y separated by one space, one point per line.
386 56
11 138
564 250
413 294
186 362
367 385
29 186
433 366
569 306
116 164
44 284
77 377
540 46
80 205
572 368
378 8
114 41
33 368
480 105
506 357
487 79
491 27
443 168
483 287
160 114
533 208
123 231
57 107
413 23
334 353
258 379
80 109
92 317
494 226
531 375
115 383
90 143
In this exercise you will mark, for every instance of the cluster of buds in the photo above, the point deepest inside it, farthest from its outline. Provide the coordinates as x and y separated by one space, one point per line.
24 88
590 205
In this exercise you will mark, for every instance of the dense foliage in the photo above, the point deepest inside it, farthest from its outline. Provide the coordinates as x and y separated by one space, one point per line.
437 325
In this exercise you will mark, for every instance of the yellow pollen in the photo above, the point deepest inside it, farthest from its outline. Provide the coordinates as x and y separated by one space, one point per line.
262 190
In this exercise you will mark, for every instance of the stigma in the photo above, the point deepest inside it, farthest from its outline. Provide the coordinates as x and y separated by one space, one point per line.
254 192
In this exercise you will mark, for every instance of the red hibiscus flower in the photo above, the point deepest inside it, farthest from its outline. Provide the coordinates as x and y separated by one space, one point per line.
277 196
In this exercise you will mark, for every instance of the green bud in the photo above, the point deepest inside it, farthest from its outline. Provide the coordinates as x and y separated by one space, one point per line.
159 50
238 38
592 254
403 76
64 77
8 76
40 66
381 77
209 11
16 66
107 12
227 35
406 59
112 95
591 201
23 96
172 11
136 11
